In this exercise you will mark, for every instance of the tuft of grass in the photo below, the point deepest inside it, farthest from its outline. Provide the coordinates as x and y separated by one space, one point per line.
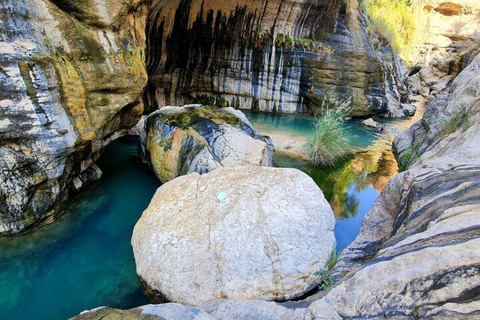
286 41
407 158
459 119
326 280
330 142
402 22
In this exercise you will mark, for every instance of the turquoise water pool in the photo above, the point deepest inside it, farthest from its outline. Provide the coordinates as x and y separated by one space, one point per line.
302 126
84 260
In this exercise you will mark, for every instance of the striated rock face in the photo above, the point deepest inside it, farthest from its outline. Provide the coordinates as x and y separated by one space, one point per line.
267 55
71 79
181 140
234 233
421 239
418 253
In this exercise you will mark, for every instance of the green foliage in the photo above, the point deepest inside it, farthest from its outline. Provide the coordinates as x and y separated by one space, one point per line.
459 119
40 56
86 57
400 21
326 280
407 158
287 41
131 49
210 100
53 46
332 260
330 142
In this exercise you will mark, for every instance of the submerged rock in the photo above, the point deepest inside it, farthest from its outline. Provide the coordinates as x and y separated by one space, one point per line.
234 233
409 109
181 140
371 123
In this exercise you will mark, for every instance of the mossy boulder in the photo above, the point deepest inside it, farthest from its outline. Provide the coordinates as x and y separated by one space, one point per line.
194 138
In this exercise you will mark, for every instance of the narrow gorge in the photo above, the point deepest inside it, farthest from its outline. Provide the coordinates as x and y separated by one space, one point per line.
303 159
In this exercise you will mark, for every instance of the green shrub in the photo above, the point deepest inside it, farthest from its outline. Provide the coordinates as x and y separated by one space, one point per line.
402 22
330 142
407 158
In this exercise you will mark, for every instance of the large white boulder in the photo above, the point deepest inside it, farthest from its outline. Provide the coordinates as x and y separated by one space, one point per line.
234 233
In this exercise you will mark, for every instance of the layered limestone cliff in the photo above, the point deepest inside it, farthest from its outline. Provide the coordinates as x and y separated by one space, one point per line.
71 78
421 238
284 56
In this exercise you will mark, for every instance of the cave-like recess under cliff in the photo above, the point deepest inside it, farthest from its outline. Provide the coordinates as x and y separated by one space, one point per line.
282 55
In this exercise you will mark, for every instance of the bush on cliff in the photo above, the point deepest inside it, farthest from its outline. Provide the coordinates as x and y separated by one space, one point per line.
400 21
330 141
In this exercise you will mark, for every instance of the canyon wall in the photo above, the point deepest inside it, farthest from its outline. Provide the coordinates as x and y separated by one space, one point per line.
417 254
451 30
285 56
71 79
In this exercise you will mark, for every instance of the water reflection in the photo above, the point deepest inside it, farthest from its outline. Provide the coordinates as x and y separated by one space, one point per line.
342 185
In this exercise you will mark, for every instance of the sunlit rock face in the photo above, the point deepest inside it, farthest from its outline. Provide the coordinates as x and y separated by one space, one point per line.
284 56
417 254
452 27
180 140
71 78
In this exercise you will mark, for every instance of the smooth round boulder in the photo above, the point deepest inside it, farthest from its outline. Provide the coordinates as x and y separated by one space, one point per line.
195 138
235 233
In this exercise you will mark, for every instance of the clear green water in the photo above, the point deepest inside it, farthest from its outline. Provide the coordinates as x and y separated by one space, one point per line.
302 126
84 260
351 188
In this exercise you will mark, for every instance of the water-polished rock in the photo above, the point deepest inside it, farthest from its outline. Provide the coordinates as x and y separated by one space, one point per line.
417 255
234 233
71 80
170 311
195 138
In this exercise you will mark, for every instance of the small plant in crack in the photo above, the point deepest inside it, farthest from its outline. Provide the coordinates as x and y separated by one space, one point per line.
325 274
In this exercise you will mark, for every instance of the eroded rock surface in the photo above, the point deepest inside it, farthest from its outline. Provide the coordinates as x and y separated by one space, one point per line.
417 254
451 31
182 140
169 311
234 233
268 55
71 79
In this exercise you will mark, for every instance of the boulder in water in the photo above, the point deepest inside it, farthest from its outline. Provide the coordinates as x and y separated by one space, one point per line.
371 123
264 240
195 138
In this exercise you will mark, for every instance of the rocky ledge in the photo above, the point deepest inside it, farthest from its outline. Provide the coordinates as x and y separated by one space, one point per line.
71 80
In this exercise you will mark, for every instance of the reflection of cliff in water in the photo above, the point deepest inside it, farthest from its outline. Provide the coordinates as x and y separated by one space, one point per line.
342 186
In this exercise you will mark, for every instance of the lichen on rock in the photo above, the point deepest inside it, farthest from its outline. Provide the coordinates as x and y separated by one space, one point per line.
71 80
195 138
